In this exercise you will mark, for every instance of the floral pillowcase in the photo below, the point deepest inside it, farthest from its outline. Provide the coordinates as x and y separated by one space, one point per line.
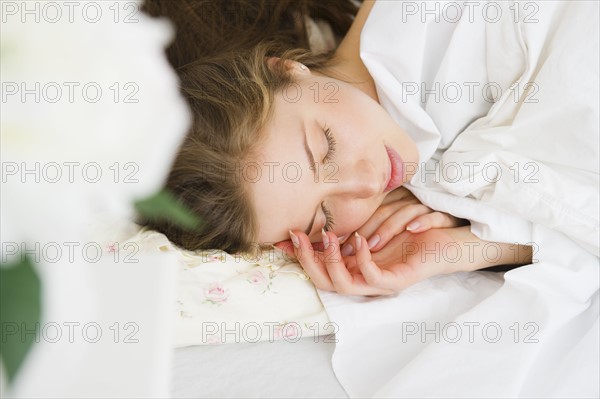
225 298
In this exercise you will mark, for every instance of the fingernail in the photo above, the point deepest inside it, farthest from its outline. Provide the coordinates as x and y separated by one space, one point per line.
413 226
341 239
295 240
373 241
325 239
347 250
358 241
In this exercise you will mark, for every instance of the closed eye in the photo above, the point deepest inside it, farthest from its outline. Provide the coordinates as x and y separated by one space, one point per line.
329 223
330 144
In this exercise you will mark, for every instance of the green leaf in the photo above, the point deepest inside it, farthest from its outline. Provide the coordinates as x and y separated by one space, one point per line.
19 312
164 206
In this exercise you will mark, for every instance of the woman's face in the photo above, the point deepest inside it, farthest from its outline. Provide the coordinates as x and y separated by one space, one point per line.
328 157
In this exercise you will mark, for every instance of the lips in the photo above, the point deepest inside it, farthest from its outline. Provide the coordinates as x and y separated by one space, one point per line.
397 170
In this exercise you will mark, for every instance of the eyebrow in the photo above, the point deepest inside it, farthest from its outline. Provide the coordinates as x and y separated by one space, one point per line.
311 160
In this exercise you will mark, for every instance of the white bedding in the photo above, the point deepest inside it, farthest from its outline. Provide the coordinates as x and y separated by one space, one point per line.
277 369
473 334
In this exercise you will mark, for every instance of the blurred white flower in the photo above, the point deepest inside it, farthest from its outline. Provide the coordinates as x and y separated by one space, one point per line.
91 121
91 116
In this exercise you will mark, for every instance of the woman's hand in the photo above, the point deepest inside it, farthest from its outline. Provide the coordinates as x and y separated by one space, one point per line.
407 259
400 211
364 273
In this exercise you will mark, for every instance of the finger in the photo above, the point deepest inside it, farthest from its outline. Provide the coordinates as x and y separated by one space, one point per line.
341 241
373 275
395 225
398 199
332 257
347 248
401 194
346 283
287 247
431 220
309 262
380 215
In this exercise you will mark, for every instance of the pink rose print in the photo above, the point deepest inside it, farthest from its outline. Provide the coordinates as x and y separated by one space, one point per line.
287 330
261 282
216 294
258 279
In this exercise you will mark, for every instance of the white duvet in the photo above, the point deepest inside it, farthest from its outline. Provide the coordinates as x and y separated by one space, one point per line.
522 167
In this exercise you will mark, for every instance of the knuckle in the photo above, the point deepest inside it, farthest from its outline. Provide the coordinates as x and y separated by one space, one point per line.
392 227
441 217
384 231
372 279
420 208
414 208
438 219
383 212
333 248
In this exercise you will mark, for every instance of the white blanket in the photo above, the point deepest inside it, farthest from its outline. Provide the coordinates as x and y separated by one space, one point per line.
523 167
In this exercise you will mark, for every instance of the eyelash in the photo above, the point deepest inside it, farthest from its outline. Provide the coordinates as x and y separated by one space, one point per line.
329 223
331 144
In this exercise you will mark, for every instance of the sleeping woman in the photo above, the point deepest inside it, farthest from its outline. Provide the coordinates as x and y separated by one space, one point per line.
295 149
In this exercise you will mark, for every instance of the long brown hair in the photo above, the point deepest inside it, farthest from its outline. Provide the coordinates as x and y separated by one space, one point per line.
207 27
230 89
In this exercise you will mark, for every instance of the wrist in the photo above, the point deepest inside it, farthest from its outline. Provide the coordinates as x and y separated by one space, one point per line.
481 254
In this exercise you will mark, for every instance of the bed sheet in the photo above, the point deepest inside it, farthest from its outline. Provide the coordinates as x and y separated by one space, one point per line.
264 369
535 333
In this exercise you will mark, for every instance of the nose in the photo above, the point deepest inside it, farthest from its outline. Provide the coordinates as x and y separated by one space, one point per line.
358 179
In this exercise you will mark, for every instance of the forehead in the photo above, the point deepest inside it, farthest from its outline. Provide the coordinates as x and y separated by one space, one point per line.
279 178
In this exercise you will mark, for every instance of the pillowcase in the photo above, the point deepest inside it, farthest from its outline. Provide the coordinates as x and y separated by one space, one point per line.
229 298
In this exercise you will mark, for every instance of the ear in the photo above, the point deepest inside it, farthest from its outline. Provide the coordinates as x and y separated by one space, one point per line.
293 67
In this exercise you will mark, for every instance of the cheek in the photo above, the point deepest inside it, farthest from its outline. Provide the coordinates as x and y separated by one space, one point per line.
351 218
